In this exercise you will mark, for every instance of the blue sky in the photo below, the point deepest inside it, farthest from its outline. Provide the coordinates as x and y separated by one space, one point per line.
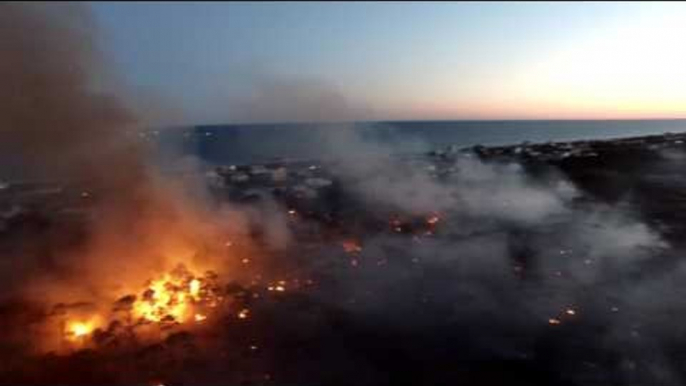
223 62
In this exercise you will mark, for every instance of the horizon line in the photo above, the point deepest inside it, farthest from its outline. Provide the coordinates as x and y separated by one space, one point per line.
266 123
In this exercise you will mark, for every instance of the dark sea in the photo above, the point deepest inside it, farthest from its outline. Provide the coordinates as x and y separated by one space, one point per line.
248 143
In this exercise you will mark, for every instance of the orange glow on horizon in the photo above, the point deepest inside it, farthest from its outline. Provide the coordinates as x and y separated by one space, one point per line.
628 67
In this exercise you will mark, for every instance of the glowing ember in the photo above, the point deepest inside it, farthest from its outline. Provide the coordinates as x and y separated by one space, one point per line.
433 220
570 311
200 317
351 246
278 288
243 314
553 321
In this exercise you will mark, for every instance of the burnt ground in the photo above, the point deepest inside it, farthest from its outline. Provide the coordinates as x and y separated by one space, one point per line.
320 335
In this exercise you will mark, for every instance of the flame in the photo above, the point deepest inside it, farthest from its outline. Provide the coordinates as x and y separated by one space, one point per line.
177 297
173 297
77 330
162 299
194 287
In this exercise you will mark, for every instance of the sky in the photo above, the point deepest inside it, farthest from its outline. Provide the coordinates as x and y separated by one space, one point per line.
266 62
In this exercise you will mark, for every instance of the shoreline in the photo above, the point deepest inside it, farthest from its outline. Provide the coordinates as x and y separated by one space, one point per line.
557 150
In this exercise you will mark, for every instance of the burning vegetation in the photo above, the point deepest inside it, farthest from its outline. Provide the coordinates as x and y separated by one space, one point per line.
463 270
109 282
175 300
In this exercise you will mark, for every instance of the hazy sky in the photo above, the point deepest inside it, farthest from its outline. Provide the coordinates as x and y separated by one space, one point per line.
229 62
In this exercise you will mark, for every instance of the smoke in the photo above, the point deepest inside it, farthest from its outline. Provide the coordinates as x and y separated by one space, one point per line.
53 120
511 254
515 259
274 98
372 168
59 122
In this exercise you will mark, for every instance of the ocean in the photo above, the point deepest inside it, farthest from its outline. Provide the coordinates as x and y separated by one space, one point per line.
249 143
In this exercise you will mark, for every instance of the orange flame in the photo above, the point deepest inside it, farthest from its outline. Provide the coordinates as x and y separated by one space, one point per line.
77 330
172 298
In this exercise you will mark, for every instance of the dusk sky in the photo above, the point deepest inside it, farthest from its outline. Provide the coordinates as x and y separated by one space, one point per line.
238 62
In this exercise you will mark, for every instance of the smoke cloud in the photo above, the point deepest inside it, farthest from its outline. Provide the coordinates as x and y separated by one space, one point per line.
275 98
58 122
512 254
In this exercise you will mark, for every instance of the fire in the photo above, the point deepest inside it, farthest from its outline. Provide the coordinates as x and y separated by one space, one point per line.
243 314
433 220
78 330
351 246
194 287
279 287
163 298
174 296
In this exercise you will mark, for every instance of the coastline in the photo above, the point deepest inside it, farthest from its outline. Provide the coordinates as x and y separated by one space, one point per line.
345 246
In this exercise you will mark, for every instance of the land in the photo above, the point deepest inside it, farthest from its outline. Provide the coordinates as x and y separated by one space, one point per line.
315 335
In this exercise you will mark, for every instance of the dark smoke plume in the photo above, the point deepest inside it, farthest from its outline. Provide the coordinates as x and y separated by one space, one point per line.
57 124
53 120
